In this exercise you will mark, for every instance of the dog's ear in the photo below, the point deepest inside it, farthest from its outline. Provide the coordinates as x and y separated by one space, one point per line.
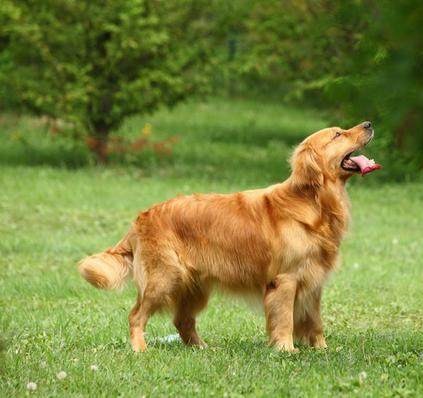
306 169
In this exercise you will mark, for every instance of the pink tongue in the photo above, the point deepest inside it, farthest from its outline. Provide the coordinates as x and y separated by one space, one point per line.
366 165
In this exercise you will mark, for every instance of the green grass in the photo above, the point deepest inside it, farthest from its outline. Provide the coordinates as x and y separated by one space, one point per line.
216 140
51 320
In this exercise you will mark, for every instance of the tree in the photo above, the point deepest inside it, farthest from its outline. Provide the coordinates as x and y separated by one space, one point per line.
93 63
357 59
385 76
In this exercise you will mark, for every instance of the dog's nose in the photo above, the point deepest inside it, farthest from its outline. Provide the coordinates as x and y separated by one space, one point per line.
367 125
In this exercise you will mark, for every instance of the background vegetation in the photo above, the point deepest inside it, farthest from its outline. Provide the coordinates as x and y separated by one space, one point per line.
356 59
91 64
194 96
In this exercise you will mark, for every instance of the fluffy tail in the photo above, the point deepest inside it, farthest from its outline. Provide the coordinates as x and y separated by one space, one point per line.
110 269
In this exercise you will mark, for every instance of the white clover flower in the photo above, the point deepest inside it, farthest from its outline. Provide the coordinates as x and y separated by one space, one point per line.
94 368
31 386
362 376
61 375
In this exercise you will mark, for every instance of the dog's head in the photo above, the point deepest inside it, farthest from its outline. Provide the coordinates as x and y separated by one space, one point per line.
327 155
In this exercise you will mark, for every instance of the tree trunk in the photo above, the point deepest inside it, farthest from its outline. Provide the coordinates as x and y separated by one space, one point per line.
98 144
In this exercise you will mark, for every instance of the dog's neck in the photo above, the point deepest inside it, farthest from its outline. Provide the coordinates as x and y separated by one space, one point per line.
323 207
334 205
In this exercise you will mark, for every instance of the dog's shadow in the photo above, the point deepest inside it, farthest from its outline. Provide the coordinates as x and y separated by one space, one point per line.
230 345
339 345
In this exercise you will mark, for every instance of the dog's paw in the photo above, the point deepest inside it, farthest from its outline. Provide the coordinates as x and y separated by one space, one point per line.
319 342
283 346
200 345
138 345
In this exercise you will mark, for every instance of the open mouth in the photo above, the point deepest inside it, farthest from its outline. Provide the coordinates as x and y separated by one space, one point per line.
359 164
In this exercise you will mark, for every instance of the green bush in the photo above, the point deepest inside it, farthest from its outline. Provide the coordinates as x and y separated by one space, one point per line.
92 63
384 82
355 59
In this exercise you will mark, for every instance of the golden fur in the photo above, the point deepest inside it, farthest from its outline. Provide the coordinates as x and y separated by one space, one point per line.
280 243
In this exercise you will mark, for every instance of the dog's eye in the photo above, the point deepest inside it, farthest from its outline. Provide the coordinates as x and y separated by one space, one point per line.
337 134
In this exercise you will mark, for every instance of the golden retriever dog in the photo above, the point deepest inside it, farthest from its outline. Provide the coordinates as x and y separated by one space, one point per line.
280 243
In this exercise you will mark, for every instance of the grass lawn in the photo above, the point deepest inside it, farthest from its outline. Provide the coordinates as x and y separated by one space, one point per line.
51 320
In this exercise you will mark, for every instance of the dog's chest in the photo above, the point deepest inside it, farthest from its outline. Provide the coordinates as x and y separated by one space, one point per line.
311 255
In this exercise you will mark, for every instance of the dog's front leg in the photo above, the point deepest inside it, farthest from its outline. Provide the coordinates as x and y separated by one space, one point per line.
279 308
308 325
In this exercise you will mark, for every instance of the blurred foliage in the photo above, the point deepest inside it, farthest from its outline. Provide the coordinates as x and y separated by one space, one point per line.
92 63
358 59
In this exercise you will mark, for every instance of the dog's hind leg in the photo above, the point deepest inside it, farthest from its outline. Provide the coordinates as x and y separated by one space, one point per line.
138 319
188 306
148 302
